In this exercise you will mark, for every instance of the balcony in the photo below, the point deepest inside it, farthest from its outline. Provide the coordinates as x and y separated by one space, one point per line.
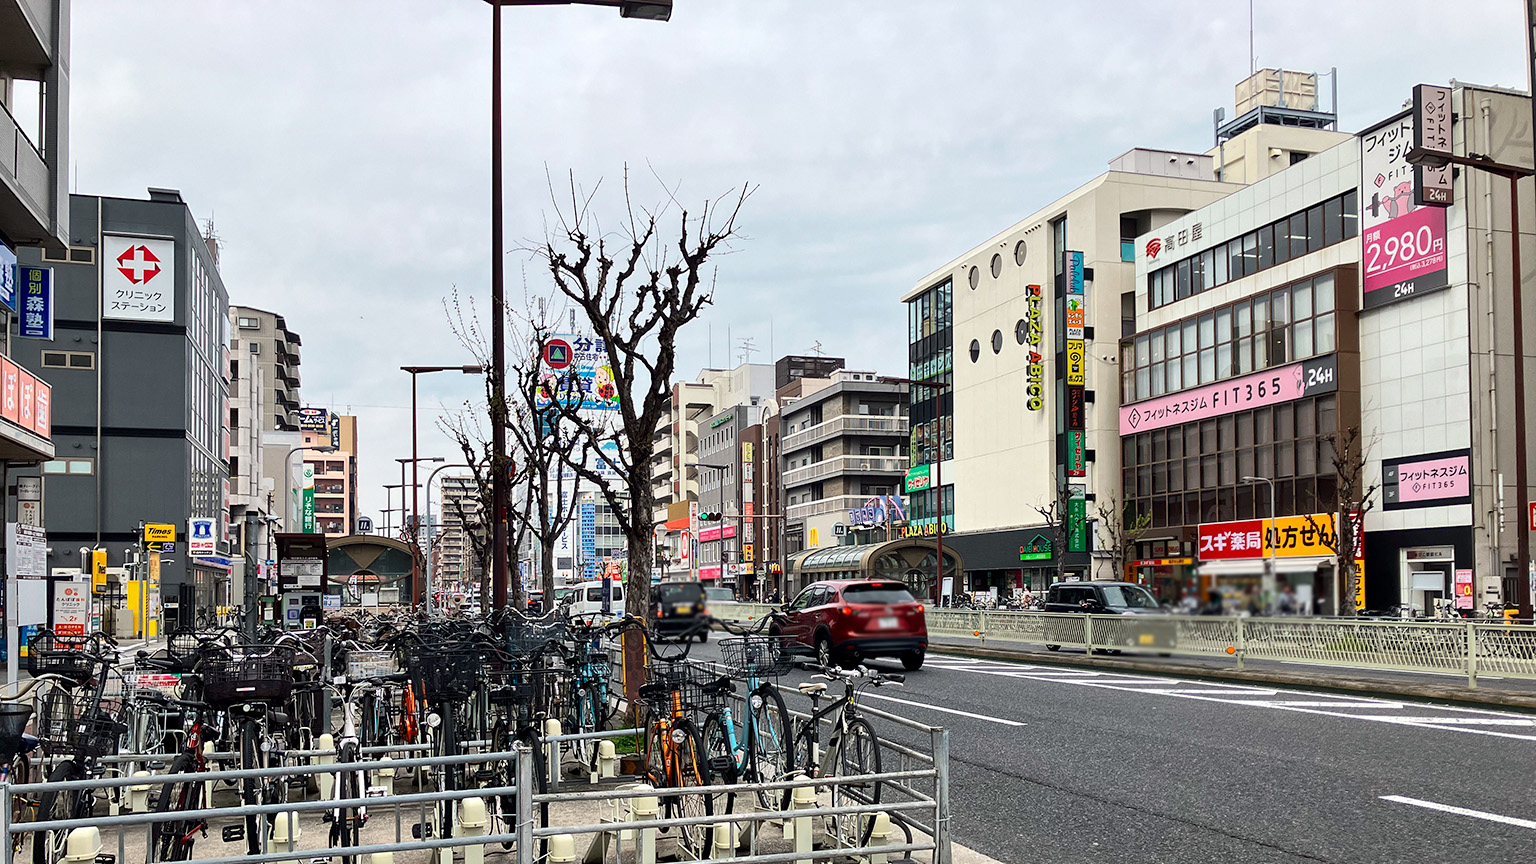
26 216
834 504
845 465
847 424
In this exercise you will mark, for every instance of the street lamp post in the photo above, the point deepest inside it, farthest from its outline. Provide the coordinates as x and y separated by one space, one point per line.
389 509
467 369
655 10
1268 589
1514 174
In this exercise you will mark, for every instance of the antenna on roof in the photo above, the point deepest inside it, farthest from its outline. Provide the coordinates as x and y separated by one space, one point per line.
745 347
816 348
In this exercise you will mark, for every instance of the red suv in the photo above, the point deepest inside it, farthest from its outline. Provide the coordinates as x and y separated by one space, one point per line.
847 621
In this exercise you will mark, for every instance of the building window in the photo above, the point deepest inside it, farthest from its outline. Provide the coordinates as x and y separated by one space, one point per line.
250 323
974 278
975 350
997 264
1332 221
255 348
70 466
69 360
1020 252
72 255
997 341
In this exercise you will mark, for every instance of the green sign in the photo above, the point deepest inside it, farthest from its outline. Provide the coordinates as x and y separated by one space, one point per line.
308 501
721 421
1077 524
918 478
1038 549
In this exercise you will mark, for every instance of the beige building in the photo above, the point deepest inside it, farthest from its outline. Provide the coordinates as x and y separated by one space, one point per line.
459 516
335 478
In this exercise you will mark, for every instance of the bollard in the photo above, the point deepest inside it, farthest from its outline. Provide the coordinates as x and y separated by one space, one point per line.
382 858
727 838
83 845
285 822
607 761
641 808
326 783
552 754
208 784
472 823
562 849
138 794
804 799
880 835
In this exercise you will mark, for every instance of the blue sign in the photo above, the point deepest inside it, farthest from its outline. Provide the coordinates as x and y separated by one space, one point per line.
7 278
1074 268
36 291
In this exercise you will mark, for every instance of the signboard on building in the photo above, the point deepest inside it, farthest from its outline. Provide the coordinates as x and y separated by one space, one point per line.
919 477
1270 387
1289 537
35 317
1077 412
29 501
200 537
314 420
1077 363
26 552
1432 134
1077 453
1403 243
1077 521
159 532
336 431
138 281
575 369
71 607
1034 370
1430 480
307 499
7 277
1038 549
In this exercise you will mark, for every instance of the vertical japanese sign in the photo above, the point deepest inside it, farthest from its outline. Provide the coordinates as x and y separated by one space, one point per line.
1403 244
1076 350
1034 372
7 277
308 505
1463 581
1077 452
1432 134
1077 521
335 431
138 281
36 316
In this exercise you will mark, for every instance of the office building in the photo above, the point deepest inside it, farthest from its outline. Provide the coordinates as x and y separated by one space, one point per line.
335 473
140 291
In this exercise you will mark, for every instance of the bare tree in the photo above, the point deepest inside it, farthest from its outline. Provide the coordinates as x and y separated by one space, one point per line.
1120 526
1347 453
636 292
1054 513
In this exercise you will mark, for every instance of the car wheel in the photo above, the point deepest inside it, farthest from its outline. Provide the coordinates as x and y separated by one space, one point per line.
824 653
1053 647
912 661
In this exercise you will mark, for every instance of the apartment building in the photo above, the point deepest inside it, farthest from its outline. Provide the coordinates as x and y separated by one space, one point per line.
263 344
335 473
461 517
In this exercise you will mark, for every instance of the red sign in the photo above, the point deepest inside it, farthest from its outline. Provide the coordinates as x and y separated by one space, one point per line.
557 353
1533 515
1244 539
42 410
1154 246
10 383
138 264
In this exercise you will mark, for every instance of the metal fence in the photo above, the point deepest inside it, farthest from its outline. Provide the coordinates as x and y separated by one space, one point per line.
1470 648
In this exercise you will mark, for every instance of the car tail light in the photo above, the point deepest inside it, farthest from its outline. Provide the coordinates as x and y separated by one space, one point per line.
847 610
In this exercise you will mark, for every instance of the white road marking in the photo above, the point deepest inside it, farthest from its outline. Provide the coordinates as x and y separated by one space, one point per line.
1469 721
1462 811
1288 703
1480 676
945 710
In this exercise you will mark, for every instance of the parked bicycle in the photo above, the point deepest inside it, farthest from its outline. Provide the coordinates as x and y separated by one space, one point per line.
852 750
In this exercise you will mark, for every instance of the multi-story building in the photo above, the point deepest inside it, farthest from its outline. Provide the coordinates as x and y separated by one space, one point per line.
844 452
462 520
793 367
141 298
263 342
1018 336
335 475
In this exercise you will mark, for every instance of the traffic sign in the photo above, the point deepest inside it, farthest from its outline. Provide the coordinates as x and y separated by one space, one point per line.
157 532
557 353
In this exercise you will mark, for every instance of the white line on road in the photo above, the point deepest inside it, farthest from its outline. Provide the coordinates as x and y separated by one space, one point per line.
1393 671
945 710
1462 811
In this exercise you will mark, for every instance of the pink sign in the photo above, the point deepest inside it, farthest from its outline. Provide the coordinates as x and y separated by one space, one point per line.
42 410
1269 387
1403 249
711 534
1434 479
709 572
1464 599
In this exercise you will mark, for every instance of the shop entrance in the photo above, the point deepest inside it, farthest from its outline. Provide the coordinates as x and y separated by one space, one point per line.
1426 578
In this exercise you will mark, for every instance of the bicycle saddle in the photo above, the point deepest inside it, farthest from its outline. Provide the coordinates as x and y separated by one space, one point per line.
810 687
719 686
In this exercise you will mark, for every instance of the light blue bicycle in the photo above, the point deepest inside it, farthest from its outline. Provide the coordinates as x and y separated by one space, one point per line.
753 748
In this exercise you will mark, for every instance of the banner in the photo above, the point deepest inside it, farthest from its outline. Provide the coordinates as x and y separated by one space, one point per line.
1077 523
1289 537
1077 453
575 369
35 319
1270 387
1403 242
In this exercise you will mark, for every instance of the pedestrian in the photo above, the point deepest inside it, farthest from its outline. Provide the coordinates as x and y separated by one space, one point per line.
1286 605
1213 605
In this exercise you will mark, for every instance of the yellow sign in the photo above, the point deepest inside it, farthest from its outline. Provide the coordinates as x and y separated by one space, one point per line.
746 451
1077 363
925 530
98 571
746 553
1302 536
813 538
157 533
1359 585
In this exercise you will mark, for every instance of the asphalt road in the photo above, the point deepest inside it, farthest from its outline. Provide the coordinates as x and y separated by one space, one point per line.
1064 765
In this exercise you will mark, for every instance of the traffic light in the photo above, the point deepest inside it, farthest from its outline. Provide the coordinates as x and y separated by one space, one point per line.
706 516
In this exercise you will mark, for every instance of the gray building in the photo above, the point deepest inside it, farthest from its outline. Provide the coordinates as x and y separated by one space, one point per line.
141 296
266 349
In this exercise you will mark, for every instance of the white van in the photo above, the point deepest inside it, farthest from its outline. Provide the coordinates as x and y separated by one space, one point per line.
585 601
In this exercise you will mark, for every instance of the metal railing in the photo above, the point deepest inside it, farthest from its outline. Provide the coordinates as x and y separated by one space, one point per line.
846 465
845 424
1470 648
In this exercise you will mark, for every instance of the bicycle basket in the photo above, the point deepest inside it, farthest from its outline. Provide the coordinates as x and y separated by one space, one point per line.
679 686
532 687
63 732
181 648
445 674
370 664
756 656
48 654
247 674
529 638
13 724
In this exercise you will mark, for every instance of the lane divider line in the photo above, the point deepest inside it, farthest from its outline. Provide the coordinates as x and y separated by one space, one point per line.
1461 811
999 720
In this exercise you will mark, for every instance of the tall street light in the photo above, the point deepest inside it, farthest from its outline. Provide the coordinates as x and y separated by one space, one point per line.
654 10
940 388
469 369
389 509
1269 561
288 470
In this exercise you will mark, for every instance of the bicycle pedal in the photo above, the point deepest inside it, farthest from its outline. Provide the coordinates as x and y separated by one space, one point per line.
233 833
421 831
106 858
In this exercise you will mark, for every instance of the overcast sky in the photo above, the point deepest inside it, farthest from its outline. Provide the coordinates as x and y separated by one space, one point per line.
341 148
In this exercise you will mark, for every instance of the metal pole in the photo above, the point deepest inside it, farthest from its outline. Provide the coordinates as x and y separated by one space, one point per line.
524 829
1523 493
498 341
941 795
417 589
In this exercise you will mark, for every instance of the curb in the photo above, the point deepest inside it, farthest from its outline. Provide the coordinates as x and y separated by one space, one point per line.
1441 693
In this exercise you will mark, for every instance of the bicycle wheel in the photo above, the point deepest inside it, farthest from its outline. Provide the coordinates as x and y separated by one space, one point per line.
250 757
853 752
769 756
48 846
346 822
724 760
677 763
172 841
585 718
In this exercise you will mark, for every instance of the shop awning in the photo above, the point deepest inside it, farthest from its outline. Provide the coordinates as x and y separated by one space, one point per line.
1255 566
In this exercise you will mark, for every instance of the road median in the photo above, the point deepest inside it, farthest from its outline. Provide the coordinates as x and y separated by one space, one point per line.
1320 678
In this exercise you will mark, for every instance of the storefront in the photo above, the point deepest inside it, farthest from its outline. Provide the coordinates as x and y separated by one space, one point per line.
1284 566
1008 561
1421 569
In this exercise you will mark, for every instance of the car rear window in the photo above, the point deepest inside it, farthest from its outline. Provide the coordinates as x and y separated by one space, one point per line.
595 595
680 592
887 592
719 595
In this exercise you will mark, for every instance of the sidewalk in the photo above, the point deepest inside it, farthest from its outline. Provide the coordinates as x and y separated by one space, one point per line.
1513 694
